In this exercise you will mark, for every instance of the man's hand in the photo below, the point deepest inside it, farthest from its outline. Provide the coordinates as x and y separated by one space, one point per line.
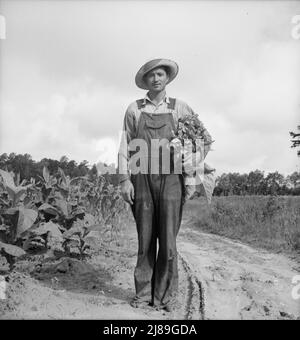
127 191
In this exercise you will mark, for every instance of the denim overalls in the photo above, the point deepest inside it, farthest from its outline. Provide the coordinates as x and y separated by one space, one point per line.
157 209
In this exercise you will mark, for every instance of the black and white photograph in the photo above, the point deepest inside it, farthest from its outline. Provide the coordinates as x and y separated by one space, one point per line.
149 162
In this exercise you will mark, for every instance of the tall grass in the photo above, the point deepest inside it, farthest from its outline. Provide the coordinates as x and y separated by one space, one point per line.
270 222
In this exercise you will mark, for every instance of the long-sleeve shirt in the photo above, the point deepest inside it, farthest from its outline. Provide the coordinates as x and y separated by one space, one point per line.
130 125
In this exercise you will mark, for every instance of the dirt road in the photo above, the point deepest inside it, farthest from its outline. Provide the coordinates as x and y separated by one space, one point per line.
237 281
219 279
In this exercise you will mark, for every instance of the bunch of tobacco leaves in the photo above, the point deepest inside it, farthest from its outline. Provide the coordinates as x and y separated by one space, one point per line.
191 128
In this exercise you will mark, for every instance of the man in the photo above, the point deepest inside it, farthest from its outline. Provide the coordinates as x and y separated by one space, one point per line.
156 199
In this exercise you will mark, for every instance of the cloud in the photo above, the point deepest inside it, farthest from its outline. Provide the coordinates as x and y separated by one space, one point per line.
268 98
98 112
83 126
67 76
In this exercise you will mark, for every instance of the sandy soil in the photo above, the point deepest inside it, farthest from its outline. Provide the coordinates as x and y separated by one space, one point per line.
240 282
219 279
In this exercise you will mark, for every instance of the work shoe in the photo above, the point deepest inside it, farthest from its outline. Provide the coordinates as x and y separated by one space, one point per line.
169 307
138 303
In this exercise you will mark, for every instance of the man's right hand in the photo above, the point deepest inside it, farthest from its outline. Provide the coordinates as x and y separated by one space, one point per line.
127 191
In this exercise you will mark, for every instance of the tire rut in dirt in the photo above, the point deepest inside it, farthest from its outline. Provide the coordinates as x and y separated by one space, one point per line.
194 306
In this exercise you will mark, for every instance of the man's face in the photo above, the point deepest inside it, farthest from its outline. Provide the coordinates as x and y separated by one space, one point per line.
156 79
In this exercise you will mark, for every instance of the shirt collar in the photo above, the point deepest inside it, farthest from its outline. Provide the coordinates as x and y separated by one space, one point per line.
165 99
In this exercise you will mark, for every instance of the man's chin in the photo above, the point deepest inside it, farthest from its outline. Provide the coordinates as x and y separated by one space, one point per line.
156 89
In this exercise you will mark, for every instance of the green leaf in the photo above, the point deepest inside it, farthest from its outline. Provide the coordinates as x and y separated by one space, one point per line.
14 192
49 209
62 205
62 174
76 230
26 219
78 211
209 185
53 181
208 169
46 174
7 179
23 182
3 227
18 179
12 250
44 228
10 211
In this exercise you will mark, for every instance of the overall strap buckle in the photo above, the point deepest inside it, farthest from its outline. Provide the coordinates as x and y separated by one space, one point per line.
140 103
171 104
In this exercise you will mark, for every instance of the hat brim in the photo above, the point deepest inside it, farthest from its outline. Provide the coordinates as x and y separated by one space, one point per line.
152 64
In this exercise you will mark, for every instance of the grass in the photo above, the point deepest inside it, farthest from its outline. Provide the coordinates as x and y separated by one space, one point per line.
269 222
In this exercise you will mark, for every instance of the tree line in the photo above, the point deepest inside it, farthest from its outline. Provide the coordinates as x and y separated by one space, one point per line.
254 183
257 183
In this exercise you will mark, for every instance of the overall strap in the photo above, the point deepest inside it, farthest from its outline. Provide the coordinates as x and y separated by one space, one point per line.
140 103
171 105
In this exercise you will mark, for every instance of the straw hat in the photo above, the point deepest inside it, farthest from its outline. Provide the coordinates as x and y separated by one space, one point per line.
152 64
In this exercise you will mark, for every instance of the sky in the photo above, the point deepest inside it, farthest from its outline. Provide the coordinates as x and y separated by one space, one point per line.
67 73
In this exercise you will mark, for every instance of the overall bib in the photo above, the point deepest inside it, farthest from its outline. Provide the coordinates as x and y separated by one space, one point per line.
157 209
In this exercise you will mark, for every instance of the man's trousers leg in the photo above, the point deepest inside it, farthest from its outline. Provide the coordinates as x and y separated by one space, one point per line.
143 211
170 215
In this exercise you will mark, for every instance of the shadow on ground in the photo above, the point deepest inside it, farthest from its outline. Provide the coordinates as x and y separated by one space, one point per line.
79 277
